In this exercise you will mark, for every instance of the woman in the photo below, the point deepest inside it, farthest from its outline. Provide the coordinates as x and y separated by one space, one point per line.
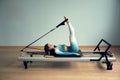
62 49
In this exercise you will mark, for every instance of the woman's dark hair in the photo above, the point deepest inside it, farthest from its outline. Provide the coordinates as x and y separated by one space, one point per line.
47 51
46 48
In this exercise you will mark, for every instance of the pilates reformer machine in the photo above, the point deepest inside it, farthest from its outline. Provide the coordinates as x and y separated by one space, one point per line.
98 54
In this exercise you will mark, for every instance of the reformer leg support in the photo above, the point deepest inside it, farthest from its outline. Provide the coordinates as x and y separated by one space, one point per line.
109 65
31 56
25 64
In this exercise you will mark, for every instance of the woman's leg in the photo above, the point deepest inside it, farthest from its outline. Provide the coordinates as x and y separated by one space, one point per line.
73 42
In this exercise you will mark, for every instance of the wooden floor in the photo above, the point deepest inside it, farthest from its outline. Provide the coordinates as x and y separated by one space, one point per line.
12 69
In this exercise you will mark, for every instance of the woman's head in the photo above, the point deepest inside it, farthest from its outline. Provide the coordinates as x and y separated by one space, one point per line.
48 47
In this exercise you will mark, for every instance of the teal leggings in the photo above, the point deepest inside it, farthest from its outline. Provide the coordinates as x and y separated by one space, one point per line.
73 42
73 48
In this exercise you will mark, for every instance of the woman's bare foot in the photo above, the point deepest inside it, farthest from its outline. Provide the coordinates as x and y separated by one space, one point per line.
68 20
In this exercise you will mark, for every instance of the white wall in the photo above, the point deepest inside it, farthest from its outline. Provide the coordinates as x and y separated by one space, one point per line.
23 21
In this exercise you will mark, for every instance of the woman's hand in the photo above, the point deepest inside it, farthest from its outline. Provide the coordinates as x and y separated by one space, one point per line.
68 20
